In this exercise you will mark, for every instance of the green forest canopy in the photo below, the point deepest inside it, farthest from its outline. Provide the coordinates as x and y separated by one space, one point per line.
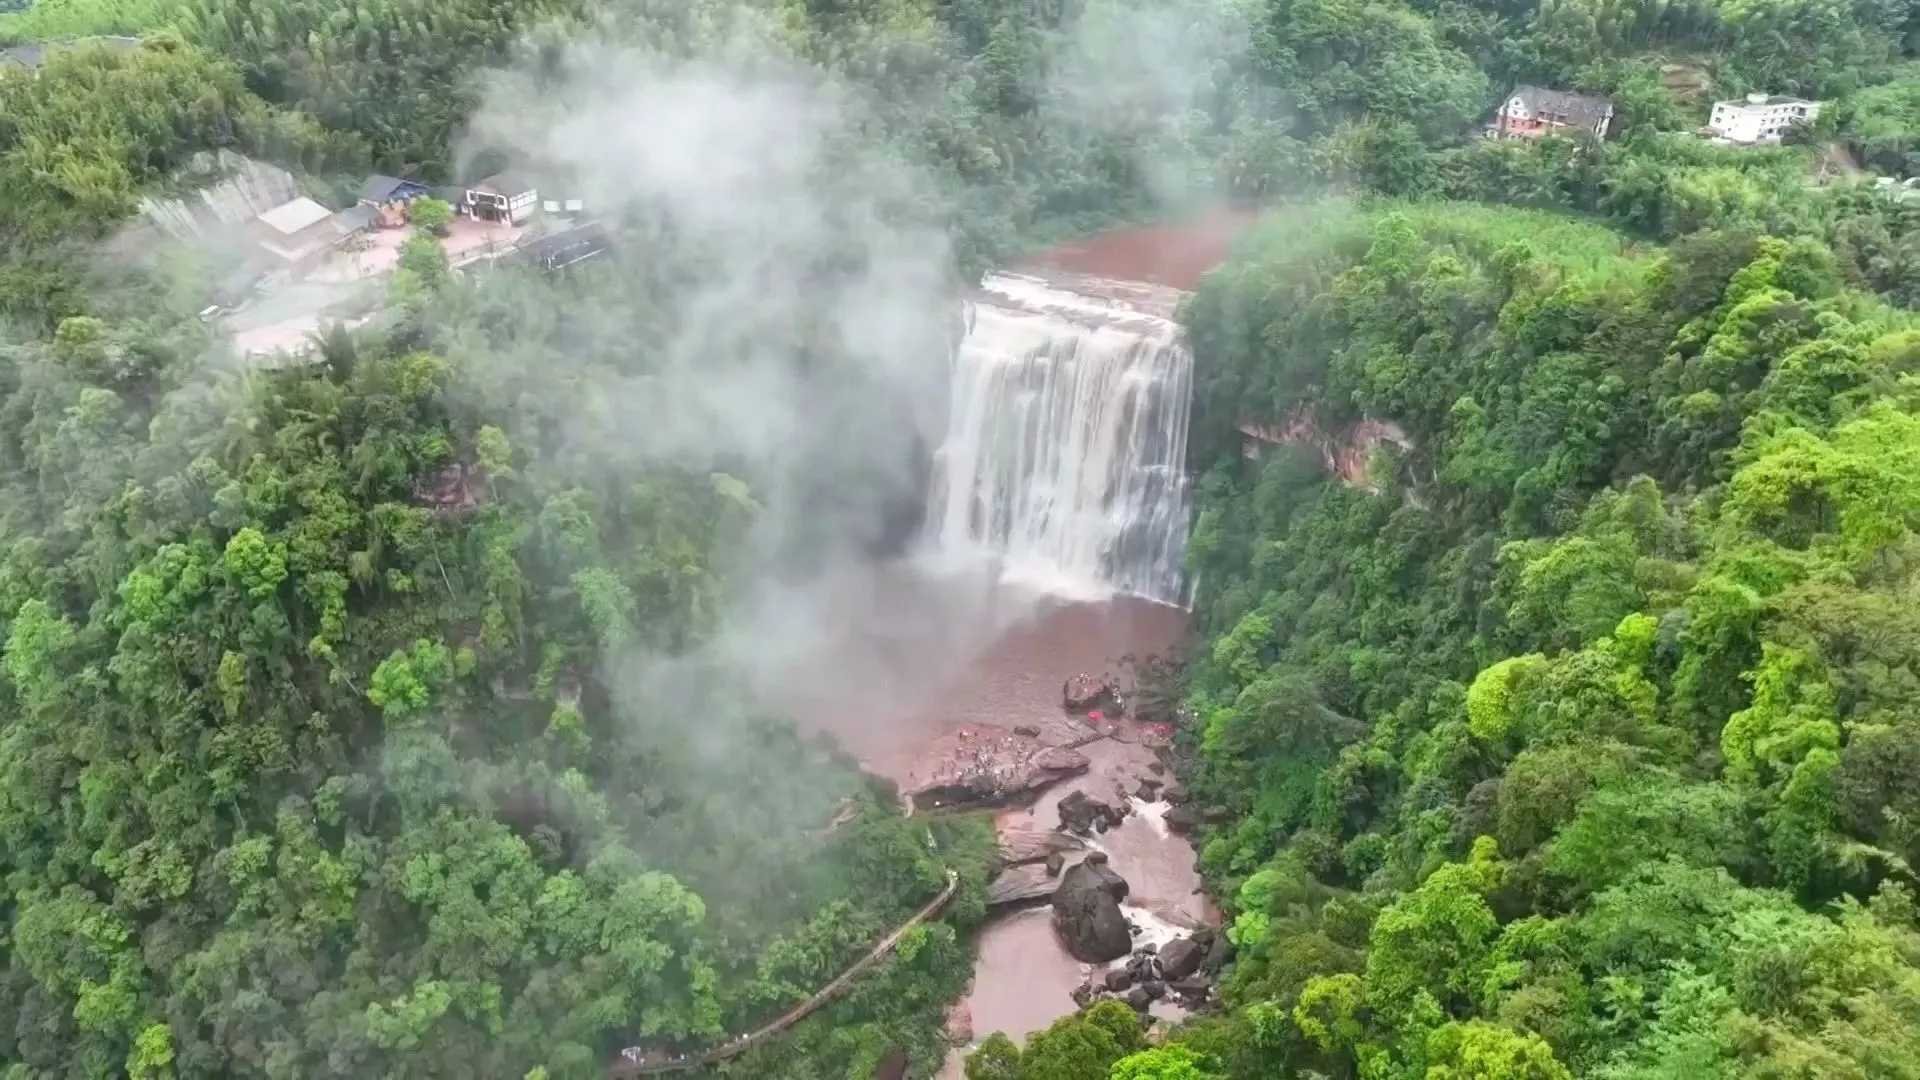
1626 637
1580 746
1583 746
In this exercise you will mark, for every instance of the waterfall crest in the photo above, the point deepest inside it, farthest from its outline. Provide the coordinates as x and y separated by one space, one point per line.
1067 436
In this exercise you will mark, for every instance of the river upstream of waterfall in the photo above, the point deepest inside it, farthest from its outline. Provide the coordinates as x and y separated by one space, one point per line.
1053 547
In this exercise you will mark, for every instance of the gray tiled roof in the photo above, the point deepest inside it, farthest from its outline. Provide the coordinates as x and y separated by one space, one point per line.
1539 99
504 183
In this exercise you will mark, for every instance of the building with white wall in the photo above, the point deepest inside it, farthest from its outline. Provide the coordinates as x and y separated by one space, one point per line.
1533 111
504 197
300 233
1760 118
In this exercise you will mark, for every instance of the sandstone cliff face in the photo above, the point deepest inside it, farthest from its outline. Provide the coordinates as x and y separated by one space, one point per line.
243 190
1344 452
1018 886
1020 845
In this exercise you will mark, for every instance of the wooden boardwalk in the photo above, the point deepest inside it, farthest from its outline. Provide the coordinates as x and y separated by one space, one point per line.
653 1063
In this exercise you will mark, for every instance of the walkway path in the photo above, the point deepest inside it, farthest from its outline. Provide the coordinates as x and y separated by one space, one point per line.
654 1062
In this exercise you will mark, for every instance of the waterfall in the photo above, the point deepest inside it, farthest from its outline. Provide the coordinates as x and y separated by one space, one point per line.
1067 436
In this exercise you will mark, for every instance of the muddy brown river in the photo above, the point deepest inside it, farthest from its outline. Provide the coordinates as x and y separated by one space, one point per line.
893 659
1063 452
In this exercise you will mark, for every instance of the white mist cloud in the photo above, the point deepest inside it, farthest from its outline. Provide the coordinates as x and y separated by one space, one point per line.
754 212
1142 75
785 282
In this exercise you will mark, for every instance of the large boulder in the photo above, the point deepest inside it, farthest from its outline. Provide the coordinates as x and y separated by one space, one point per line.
1085 693
1096 869
1020 885
1086 912
1081 814
1180 958
1192 990
1183 819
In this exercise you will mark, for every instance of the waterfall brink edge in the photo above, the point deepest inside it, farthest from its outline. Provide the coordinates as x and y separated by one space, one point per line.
1065 452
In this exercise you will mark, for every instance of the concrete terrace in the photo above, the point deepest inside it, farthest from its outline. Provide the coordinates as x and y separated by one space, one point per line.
349 287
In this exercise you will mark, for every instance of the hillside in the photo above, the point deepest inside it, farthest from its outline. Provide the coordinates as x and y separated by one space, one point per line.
1581 760
384 711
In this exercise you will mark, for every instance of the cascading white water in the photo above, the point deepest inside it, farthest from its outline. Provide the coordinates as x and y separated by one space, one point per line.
1067 436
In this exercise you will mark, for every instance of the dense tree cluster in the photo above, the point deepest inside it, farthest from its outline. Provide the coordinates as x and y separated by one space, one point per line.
1577 740
1573 741
1882 121
313 762
1105 1041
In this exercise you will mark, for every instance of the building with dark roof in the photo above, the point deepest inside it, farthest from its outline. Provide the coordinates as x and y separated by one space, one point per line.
556 251
386 190
1531 112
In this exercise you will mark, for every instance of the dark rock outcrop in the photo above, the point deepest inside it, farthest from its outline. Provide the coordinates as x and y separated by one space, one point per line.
1217 952
1141 966
1082 814
1143 979
1180 958
1087 693
1183 819
1192 987
1086 912
1095 869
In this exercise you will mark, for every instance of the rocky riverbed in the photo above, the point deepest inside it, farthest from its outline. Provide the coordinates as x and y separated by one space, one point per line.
959 695
1097 882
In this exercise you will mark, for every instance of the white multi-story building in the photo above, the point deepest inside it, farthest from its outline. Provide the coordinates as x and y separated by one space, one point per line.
1760 118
